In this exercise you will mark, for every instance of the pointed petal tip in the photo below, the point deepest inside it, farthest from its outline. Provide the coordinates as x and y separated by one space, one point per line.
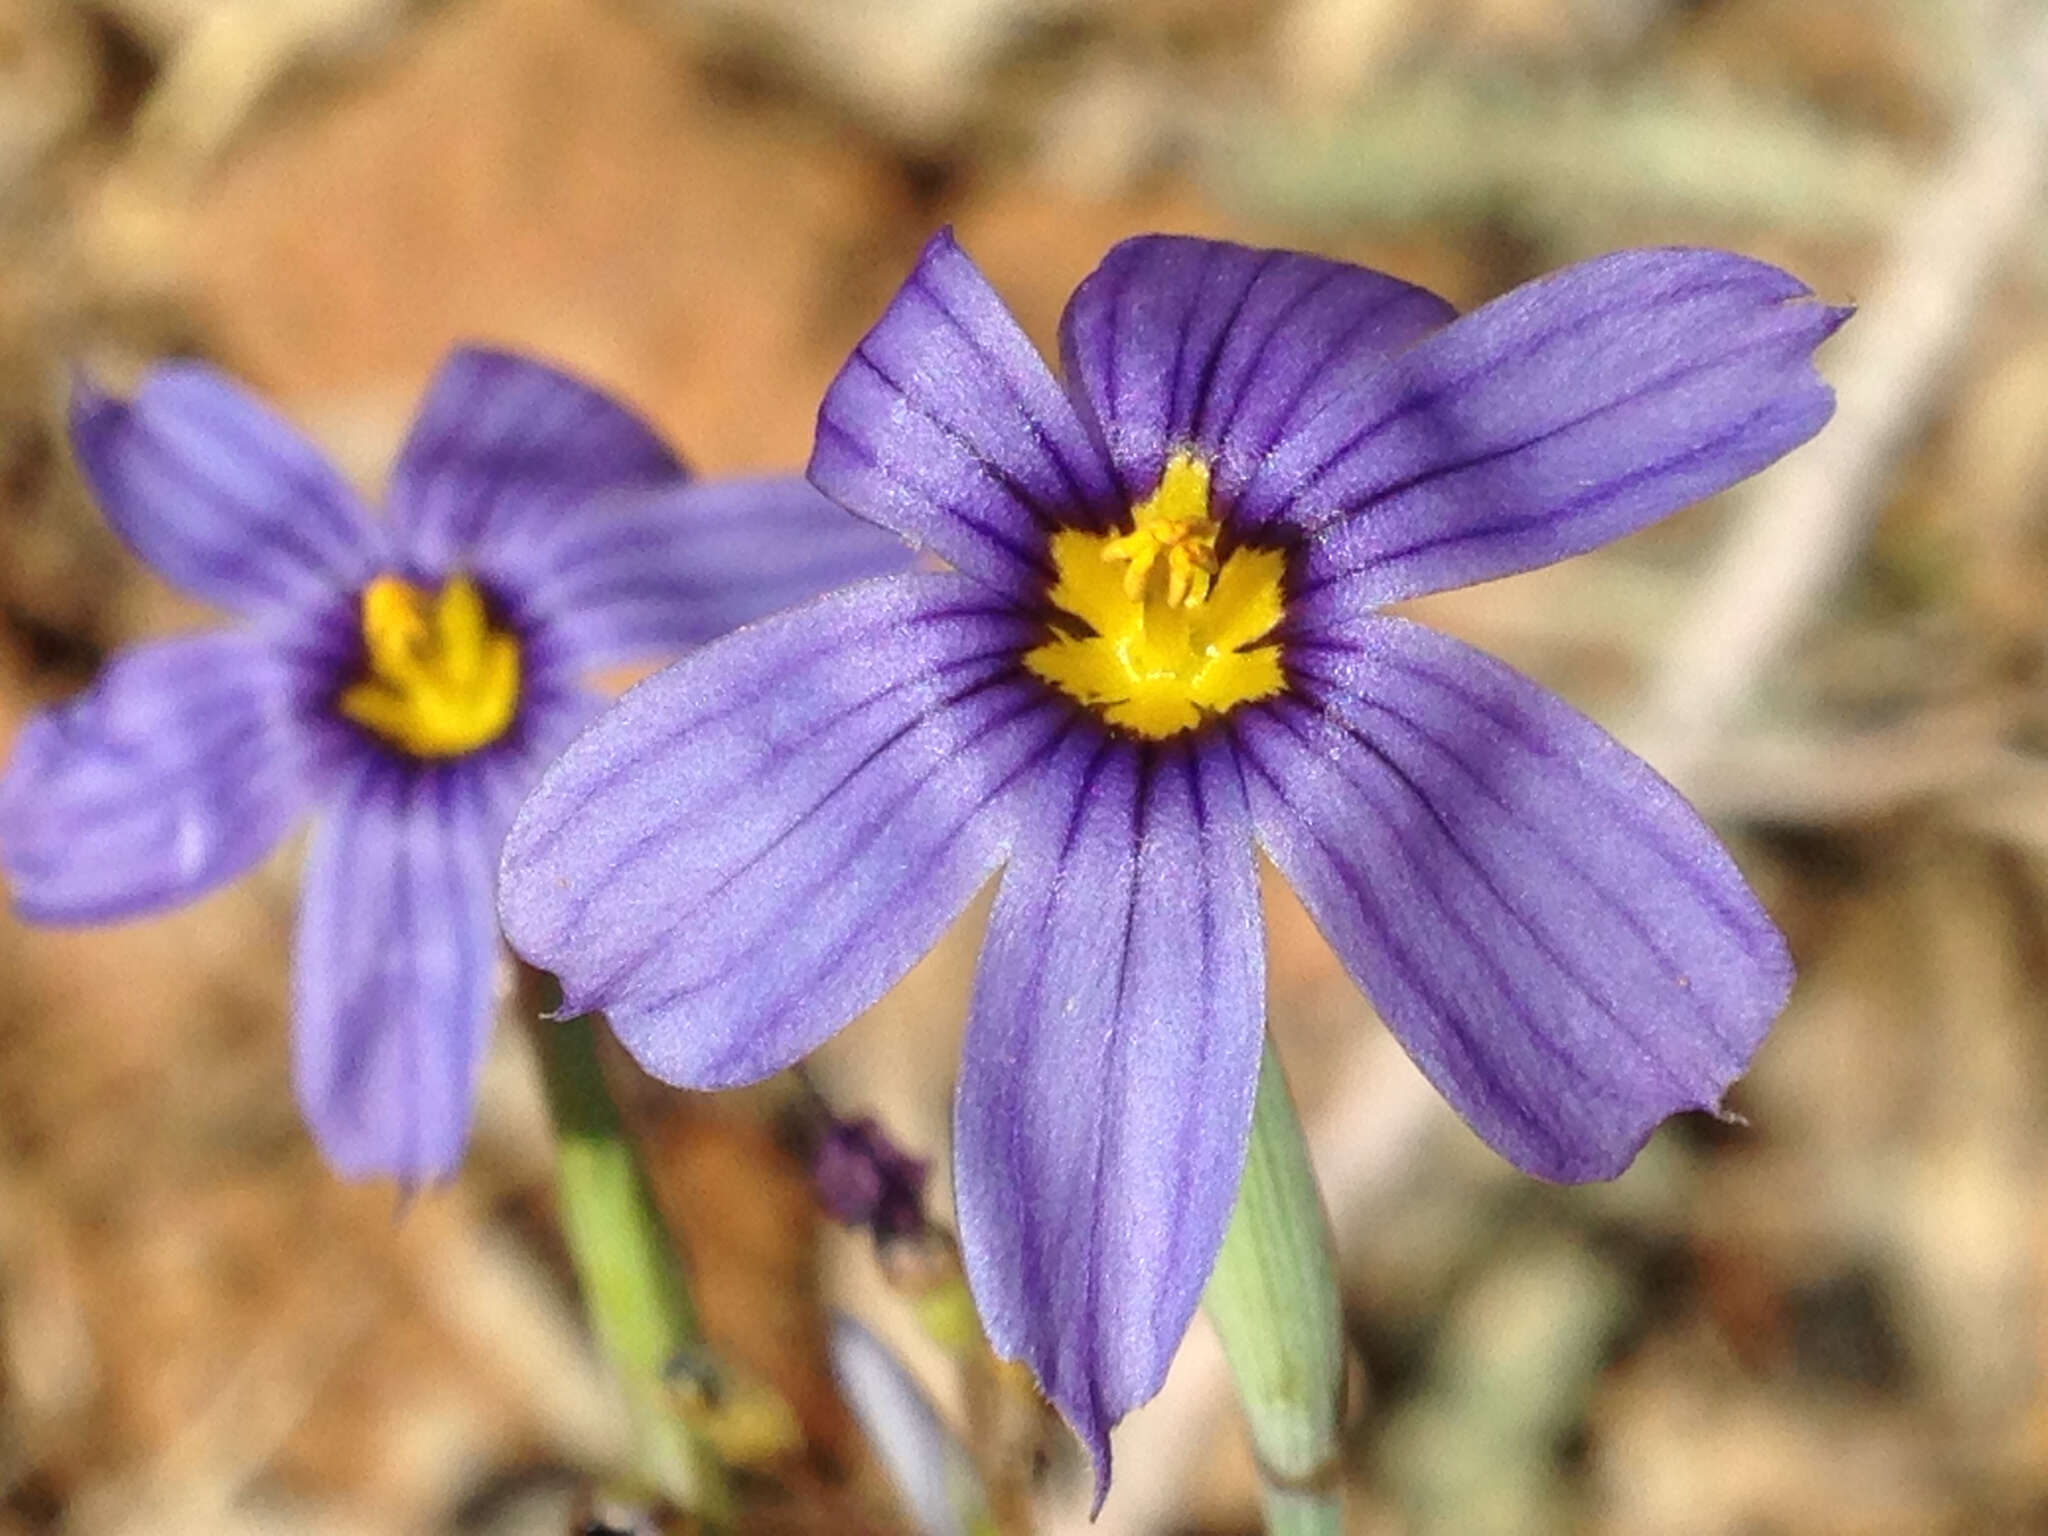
1090 1420
505 454
1104 1104
360 1151
360 1148
359 1163
1727 1116
1098 1454
567 1008
1607 1164
945 426
469 353
1084 1413
394 974
575 1003
85 393
1821 320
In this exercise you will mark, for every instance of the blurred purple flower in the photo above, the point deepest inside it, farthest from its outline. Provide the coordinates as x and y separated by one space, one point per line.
404 677
1159 647
863 1179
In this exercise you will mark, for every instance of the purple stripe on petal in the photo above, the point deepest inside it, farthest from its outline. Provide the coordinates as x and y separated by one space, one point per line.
224 499
755 844
1175 342
502 450
946 426
644 574
394 972
1565 414
1551 931
179 768
1107 1079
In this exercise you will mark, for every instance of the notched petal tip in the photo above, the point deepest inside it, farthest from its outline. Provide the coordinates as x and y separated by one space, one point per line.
942 242
575 1003
1599 1160
1562 415
221 495
1561 944
1595 1163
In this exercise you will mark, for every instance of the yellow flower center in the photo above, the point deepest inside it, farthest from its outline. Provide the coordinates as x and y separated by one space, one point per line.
1173 625
441 681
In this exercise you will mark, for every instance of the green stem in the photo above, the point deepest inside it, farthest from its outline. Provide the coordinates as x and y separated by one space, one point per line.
1273 1298
633 1284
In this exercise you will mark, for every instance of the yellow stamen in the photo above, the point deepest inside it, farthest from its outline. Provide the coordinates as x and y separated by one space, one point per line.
1174 521
441 681
1173 624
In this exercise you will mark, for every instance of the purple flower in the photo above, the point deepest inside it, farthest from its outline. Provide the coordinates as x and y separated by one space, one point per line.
1160 647
404 677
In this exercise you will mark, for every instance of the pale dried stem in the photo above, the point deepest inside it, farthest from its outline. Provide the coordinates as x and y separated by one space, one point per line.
1799 528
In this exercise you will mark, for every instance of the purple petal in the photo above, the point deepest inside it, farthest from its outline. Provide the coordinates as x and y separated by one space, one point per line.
656 572
752 846
1567 413
1175 342
223 498
1549 929
179 768
934 1476
503 447
946 426
1107 1080
393 977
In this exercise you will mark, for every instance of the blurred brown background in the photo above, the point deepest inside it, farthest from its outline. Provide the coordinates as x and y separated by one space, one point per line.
1827 1320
